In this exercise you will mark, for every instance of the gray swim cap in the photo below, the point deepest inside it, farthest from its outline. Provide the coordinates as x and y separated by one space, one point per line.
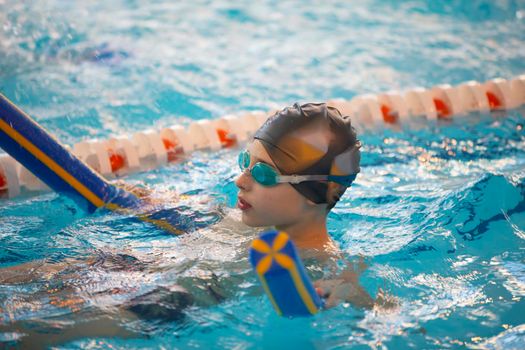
312 139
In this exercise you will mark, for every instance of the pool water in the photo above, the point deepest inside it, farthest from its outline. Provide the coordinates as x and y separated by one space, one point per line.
437 212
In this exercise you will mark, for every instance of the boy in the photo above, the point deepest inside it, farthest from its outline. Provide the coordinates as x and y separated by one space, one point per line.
298 166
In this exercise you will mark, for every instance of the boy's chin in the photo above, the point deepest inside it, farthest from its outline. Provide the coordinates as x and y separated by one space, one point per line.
251 222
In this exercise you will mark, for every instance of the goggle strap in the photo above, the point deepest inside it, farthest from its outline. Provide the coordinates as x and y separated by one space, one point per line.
345 180
295 179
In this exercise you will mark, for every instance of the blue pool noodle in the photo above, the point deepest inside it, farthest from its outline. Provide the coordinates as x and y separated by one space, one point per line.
37 150
277 264
46 158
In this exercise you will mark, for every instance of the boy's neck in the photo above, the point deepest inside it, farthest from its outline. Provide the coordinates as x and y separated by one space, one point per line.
309 235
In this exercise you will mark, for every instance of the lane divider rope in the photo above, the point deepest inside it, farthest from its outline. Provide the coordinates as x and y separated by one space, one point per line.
150 149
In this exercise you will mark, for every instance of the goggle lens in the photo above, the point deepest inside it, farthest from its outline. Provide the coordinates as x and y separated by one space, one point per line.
260 172
264 174
244 160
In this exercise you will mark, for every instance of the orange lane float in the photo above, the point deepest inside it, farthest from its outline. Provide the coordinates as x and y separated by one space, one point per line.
494 101
389 116
116 160
173 151
227 139
442 109
3 185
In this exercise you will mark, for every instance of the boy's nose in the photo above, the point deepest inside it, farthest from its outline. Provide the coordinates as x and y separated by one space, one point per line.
243 181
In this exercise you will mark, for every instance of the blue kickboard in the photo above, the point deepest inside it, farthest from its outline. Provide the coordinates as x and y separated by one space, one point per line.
276 262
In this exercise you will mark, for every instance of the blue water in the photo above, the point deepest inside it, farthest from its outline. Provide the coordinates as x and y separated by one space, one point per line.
438 213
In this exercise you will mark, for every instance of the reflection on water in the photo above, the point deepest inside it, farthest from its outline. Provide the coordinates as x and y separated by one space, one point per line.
437 212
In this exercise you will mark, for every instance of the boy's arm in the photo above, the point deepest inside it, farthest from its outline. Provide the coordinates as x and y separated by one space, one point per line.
346 288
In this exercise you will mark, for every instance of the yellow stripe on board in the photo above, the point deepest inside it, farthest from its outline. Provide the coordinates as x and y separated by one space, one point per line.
270 295
50 163
301 289
161 224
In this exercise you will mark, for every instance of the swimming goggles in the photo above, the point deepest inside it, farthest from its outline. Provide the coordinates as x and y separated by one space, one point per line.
266 175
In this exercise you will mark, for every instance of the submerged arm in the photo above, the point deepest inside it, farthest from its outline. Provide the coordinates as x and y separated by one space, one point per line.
345 288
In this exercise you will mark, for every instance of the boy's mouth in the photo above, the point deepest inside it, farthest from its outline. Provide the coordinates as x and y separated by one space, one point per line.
242 204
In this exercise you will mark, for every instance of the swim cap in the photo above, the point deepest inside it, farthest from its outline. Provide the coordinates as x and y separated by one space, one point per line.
312 139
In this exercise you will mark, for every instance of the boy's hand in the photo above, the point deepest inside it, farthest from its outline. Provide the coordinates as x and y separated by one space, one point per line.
346 288
331 291
337 291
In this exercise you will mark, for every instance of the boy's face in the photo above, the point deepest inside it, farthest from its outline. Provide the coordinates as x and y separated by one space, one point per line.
279 205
